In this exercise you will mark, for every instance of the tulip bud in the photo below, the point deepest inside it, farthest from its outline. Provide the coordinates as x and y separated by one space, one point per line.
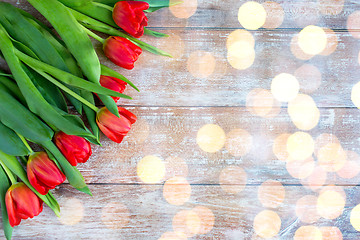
21 203
114 84
75 149
113 127
130 16
43 173
121 51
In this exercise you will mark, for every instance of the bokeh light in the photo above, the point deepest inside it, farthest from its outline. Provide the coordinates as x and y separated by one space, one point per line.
185 9
267 224
173 45
151 169
238 142
324 139
297 51
303 112
207 219
309 78
355 217
301 169
274 14
300 145
271 193
312 40
332 157
306 209
201 64
351 167
211 138
72 211
173 236
308 233
279 146
331 233
240 35
186 222
233 179
177 191
332 42
261 102
355 95
115 215
284 87
241 55
316 179
353 24
330 204
331 7
251 15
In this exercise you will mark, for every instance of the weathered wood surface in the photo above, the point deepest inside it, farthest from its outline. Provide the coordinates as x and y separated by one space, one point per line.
174 104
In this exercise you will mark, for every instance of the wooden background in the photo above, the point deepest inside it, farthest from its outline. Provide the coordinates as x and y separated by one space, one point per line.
198 87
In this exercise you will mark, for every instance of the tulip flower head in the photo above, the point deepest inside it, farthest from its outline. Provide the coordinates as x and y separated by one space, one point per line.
75 149
21 203
43 173
130 16
113 127
114 84
121 51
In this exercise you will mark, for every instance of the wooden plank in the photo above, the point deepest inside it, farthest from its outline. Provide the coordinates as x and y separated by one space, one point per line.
171 133
188 81
132 212
218 14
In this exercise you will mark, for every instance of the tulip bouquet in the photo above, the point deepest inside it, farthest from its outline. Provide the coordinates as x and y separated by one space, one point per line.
48 70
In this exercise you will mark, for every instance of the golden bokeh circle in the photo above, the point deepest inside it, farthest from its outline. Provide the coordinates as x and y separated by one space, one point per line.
332 157
260 102
284 87
308 233
233 179
303 112
185 9
316 179
355 95
312 40
240 35
207 219
211 138
271 193
279 146
297 51
300 145
267 224
301 169
251 15
332 42
351 167
355 217
201 64
241 55
151 169
331 233
330 204
177 191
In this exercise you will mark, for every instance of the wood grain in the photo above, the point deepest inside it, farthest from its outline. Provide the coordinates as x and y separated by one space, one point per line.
150 218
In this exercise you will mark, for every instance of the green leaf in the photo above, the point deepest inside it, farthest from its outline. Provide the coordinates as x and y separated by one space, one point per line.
68 78
10 142
35 101
74 36
154 34
4 186
72 173
152 3
13 164
13 89
91 116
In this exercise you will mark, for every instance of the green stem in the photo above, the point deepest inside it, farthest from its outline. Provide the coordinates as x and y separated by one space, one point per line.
67 90
25 143
23 160
95 36
8 172
103 6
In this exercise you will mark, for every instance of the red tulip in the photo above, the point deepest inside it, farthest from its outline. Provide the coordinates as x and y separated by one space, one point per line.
43 173
21 203
75 149
114 84
121 51
113 127
130 16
